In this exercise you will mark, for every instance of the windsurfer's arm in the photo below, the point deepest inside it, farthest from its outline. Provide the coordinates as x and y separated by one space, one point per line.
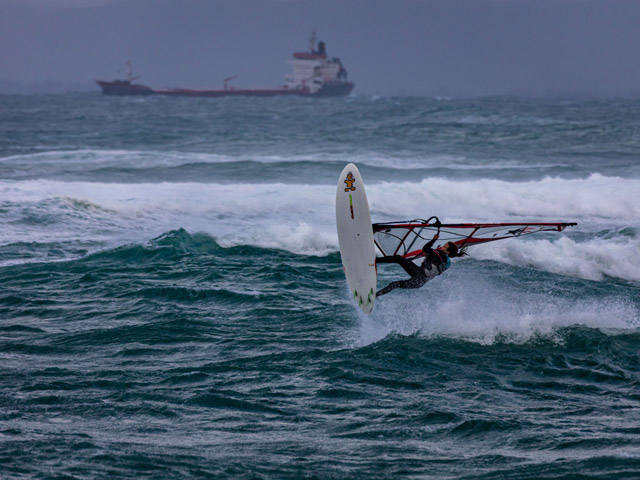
428 247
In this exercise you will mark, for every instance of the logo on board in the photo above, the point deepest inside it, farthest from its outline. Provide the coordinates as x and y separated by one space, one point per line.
349 181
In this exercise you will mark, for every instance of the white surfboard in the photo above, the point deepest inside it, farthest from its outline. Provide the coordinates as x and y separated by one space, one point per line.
355 235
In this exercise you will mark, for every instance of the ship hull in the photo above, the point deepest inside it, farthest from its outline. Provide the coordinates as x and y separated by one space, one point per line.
122 88
335 90
239 92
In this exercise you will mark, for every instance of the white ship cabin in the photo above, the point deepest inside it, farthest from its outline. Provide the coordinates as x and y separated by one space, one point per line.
312 70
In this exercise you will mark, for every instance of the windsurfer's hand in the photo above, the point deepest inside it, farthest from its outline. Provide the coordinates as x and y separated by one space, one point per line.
436 236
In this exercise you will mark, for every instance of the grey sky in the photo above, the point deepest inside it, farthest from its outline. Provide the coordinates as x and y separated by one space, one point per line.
448 47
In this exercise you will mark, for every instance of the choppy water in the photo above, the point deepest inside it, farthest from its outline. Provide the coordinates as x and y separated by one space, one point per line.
173 303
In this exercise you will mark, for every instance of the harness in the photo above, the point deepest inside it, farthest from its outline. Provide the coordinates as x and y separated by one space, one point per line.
441 268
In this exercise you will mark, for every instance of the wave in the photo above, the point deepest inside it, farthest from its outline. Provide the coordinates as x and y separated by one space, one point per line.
140 159
478 300
173 165
613 256
495 306
92 157
300 218
595 197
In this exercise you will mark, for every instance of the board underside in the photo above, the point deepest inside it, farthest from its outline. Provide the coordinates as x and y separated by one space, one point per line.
355 235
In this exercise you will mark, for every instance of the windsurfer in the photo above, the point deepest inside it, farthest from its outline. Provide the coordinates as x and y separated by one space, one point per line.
435 262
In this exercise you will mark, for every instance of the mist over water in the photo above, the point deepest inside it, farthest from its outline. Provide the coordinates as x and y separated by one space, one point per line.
405 47
173 299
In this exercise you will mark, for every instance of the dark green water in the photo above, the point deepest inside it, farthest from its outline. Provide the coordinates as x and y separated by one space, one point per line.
173 303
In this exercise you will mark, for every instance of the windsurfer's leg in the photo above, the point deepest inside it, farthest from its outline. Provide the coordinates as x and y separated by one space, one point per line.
389 259
417 279
411 268
410 283
392 285
407 265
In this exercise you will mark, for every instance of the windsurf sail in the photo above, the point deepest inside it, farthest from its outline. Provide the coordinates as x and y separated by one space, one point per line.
407 238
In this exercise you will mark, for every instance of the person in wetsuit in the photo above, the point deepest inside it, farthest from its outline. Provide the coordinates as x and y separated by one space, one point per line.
435 262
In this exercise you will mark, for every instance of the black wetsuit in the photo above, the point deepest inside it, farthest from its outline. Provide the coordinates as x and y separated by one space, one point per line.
435 262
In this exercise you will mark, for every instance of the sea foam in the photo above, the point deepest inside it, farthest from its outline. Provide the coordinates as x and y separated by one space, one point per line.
597 196
301 218
594 259
473 307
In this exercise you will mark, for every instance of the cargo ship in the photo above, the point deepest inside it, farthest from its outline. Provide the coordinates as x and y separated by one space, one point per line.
314 75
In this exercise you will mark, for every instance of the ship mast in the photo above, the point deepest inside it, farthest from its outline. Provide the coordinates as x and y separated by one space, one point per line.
313 41
130 77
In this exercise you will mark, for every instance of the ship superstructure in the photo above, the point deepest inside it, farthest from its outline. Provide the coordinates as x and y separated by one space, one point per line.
318 73
314 75
126 86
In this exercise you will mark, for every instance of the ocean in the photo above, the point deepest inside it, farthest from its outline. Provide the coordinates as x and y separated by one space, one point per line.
173 303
